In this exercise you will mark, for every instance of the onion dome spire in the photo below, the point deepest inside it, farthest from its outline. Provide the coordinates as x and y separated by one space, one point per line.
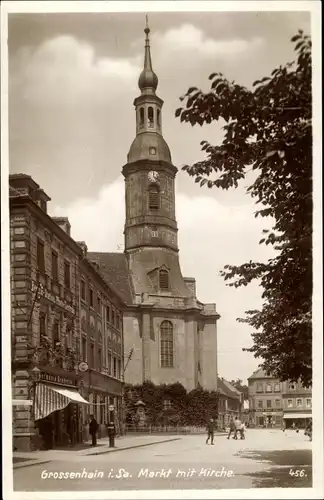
148 79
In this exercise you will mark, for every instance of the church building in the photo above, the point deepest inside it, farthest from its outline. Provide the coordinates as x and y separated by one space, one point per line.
169 335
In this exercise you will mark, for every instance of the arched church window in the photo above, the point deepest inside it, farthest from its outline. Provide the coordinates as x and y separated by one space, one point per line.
150 117
163 279
154 198
158 118
166 339
141 117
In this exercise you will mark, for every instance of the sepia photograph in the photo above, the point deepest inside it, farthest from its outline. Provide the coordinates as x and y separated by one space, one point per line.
161 250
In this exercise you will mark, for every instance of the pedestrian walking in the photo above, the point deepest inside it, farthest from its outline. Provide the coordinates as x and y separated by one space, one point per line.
242 431
231 428
210 430
238 425
93 429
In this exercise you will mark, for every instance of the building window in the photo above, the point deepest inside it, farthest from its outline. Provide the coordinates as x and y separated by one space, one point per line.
83 290
109 363
108 314
269 388
118 321
92 356
55 274
115 367
277 388
150 117
167 404
163 279
141 117
154 198
308 403
55 333
84 349
269 403
299 403
91 297
292 386
113 320
155 232
119 369
277 403
67 274
259 388
166 332
99 360
42 324
40 256
290 403
99 304
260 403
158 118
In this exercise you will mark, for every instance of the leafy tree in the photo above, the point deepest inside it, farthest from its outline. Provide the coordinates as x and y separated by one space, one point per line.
268 129
238 384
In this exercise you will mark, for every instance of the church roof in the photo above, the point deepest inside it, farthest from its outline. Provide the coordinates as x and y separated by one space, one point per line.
115 271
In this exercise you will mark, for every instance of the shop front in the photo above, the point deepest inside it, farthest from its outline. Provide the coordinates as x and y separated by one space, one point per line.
297 420
268 419
57 405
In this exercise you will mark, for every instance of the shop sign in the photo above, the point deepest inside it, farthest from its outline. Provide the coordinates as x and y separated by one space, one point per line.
52 298
49 377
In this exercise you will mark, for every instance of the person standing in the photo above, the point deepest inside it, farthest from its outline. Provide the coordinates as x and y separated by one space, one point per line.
210 430
231 428
93 429
238 425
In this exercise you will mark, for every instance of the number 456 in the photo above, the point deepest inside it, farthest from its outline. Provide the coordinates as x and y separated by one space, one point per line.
297 472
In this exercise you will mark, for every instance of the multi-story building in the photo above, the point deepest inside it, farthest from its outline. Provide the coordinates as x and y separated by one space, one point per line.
230 403
173 335
101 319
51 394
297 404
265 400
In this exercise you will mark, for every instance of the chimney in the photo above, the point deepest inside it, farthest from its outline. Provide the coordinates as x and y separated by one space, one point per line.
63 223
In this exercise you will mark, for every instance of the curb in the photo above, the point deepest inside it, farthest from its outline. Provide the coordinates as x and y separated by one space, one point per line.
30 464
112 450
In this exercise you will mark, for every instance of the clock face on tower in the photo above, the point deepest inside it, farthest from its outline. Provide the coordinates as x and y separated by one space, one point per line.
153 176
152 151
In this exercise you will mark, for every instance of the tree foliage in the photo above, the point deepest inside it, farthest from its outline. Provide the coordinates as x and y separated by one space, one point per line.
238 384
194 408
268 129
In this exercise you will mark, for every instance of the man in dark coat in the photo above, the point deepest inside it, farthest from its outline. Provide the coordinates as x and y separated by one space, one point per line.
232 428
93 428
210 430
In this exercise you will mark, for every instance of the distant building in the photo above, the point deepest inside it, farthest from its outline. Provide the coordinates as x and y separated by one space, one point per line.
265 400
101 321
297 404
271 402
230 404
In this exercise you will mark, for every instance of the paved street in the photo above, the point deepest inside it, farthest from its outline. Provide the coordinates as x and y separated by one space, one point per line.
182 464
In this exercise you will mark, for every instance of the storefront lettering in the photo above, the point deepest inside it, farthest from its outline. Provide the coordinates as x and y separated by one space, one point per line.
48 377
52 298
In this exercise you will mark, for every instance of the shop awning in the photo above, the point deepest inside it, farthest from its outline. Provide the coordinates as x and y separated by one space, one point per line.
297 415
72 394
50 398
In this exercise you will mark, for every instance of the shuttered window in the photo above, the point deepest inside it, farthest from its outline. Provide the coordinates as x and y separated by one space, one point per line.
164 279
154 198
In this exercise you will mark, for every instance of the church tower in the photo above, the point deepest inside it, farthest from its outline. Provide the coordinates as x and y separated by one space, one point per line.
151 242
170 334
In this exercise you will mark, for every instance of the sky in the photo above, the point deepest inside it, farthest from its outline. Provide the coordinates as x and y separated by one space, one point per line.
72 82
